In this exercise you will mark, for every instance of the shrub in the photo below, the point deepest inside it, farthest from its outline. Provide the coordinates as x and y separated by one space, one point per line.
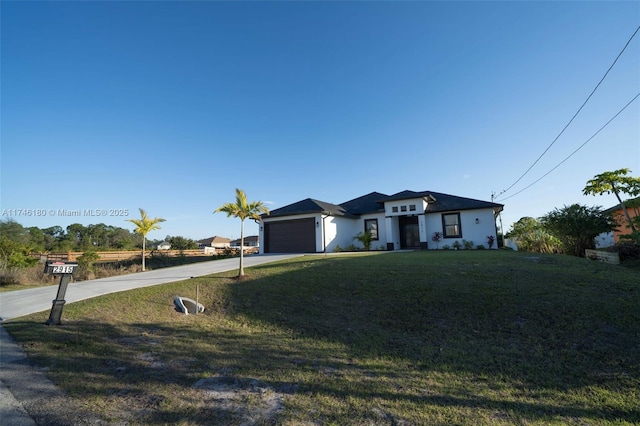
365 239
338 249
457 245
468 245
480 247
446 247
628 250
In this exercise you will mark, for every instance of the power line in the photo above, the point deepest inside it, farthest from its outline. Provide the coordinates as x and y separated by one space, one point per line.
574 115
578 149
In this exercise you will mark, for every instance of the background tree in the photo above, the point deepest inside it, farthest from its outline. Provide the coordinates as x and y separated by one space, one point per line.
144 225
530 235
577 226
617 182
181 243
243 209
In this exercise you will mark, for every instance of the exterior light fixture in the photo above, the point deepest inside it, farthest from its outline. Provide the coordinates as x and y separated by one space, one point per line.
477 220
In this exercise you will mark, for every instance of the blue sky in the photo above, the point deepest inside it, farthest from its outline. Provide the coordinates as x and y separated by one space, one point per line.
170 106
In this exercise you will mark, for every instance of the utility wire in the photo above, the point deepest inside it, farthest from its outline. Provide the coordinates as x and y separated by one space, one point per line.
578 149
574 115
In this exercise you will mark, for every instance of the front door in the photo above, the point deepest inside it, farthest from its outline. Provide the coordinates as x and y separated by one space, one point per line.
409 232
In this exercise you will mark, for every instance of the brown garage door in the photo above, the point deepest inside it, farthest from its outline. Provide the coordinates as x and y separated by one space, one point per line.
290 236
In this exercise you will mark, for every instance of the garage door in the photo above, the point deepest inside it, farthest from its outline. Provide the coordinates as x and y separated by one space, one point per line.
290 236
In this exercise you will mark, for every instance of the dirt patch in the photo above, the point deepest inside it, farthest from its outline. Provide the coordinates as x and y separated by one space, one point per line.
249 400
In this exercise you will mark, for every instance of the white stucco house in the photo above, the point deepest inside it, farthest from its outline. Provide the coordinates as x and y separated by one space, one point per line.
251 241
163 246
406 220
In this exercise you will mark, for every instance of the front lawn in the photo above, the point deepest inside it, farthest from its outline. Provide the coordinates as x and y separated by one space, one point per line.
446 337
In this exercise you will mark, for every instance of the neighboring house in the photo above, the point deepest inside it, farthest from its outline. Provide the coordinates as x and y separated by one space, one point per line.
215 242
163 246
251 241
633 208
406 220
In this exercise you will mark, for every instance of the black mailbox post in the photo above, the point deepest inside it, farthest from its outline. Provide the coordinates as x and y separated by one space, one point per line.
65 270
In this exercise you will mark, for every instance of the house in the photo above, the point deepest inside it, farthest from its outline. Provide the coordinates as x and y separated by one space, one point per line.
215 242
633 208
406 220
250 241
163 246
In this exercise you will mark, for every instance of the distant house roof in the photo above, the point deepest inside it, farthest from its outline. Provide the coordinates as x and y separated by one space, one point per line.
374 203
250 240
214 240
628 203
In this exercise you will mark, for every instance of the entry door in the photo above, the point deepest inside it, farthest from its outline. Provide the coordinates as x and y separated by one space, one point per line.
409 232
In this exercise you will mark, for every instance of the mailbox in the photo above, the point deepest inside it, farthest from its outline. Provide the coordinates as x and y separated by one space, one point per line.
59 268
64 269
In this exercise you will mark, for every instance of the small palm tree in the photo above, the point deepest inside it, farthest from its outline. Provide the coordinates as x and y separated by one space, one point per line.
144 225
365 238
243 209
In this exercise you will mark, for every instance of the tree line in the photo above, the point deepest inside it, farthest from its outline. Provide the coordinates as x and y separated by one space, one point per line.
17 242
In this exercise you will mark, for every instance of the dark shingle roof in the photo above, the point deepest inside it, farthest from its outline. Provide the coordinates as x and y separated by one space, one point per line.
369 203
446 202
309 205
374 202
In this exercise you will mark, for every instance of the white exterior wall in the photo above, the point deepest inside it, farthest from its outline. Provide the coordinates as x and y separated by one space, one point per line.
359 228
471 231
341 231
392 228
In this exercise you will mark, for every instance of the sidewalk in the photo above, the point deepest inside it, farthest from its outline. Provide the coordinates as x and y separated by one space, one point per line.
27 396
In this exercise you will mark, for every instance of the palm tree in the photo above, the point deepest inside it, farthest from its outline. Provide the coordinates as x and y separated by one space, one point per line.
244 210
144 225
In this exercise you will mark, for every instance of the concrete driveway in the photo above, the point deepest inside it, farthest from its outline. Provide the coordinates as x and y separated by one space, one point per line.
14 304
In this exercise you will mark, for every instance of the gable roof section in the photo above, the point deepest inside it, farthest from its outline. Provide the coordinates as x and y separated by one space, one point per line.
308 206
369 203
446 202
215 239
406 195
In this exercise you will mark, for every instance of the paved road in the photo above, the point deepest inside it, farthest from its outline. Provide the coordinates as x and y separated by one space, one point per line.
26 393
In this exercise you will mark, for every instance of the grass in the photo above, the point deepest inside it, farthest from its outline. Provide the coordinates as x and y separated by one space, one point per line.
448 337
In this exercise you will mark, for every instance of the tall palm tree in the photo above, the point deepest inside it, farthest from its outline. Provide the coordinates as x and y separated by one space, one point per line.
244 210
144 225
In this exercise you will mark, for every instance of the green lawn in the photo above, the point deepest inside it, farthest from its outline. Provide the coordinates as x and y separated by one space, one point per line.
447 337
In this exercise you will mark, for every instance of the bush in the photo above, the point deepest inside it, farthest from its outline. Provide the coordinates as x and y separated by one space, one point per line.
628 250
457 245
480 247
468 245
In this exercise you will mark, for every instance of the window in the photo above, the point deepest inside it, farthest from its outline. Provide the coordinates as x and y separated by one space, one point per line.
371 225
412 207
403 208
451 225
394 209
